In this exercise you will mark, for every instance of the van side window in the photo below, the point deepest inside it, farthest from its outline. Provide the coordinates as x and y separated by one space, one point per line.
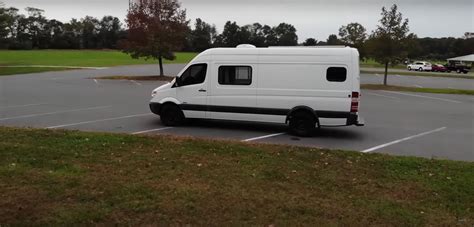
336 74
235 75
195 74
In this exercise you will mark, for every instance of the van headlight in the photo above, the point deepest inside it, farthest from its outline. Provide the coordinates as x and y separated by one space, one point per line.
154 93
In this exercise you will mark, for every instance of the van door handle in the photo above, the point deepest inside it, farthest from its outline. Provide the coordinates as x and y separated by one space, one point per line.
202 90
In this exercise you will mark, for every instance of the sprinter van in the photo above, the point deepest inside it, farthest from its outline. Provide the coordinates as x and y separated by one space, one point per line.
305 88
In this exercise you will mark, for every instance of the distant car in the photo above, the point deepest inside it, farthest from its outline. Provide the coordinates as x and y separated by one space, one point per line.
438 68
457 67
419 66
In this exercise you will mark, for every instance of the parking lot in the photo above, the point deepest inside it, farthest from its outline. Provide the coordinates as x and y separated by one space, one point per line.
415 124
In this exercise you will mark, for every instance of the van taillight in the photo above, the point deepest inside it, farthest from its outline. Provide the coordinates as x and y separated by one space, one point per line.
355 102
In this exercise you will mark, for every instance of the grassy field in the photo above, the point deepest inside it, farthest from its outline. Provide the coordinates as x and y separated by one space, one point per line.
80 58
68 177
415 89
469 75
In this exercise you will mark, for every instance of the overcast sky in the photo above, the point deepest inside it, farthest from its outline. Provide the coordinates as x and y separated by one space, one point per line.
312 18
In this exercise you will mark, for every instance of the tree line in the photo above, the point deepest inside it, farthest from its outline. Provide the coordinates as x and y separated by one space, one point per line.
35 31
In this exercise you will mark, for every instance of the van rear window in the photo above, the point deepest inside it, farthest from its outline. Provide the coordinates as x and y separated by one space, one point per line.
235 75
336 74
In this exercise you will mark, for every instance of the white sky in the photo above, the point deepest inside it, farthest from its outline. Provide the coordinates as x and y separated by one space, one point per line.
312 18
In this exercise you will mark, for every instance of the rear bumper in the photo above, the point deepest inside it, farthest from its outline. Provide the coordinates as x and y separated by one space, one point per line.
155 108
355 119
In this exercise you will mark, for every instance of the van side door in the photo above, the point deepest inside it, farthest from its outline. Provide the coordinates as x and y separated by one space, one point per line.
191 90
233 91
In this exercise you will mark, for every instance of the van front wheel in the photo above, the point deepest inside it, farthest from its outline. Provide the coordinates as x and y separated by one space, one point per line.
302 124
171 115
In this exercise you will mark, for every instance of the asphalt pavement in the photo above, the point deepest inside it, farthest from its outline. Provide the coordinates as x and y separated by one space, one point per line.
414 124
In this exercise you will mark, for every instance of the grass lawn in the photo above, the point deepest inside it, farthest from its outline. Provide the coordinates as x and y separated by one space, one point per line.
68 177
469 75
83 58
371 63
415 89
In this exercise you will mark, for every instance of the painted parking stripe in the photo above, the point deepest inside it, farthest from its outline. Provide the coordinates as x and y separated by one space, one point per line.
151 130
96 121
135 82
402 140
385 96
53 113
418 86
20 106
422 96
263 137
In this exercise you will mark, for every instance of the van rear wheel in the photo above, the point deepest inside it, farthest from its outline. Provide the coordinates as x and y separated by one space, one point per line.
302 124
171 115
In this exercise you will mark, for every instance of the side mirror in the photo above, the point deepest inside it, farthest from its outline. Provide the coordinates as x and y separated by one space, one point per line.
177 82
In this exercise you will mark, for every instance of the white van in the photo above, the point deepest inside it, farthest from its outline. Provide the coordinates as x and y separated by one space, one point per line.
304 87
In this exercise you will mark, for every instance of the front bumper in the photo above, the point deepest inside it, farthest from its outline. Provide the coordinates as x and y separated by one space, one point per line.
155 108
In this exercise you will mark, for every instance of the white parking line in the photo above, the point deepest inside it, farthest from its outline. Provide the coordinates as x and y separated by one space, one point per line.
398 76
97 82
52 113
418 86
135 82
404 139
96 121
422 96
263 137
19 106
385 96
151 130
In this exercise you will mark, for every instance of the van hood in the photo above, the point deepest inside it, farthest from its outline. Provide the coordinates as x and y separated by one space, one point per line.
161 88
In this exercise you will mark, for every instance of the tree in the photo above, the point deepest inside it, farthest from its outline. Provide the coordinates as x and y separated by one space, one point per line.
389 42
109 31
310 42
156 29
202 36
354 35
257 36
35 24
230 35
333 40
286 35
271 38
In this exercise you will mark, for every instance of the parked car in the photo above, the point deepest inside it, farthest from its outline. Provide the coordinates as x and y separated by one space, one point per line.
305 88
419 66
439 68
457 67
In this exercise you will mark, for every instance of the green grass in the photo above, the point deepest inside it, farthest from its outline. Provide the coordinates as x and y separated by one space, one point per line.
68 177
82 58
371 63
470 75
416 89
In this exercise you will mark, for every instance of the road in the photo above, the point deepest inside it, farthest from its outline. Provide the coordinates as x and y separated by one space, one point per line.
414 124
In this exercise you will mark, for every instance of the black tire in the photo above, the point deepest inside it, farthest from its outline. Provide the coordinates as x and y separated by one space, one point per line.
302 124
420 69
171 115
458 71
465 72
409 68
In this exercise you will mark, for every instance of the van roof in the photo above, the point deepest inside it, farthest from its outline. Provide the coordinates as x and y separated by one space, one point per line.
282 51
